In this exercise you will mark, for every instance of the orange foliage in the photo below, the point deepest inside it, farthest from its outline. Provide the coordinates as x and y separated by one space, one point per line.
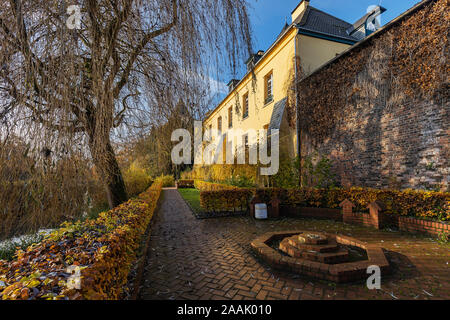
225 200
103 249
414 62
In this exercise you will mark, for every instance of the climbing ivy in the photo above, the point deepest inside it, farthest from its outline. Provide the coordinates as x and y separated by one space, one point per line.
411 57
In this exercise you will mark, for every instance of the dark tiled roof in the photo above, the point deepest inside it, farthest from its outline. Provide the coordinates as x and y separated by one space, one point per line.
286 26
315 20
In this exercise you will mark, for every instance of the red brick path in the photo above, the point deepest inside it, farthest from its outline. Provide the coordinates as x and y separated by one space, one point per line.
212 259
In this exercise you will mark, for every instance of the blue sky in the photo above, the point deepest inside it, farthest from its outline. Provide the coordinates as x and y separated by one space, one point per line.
269 16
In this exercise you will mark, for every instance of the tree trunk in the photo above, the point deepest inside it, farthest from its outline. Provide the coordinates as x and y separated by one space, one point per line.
110 173
116 190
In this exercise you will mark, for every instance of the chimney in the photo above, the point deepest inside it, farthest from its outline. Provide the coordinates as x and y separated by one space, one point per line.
232 84
298 11
254 58
368 24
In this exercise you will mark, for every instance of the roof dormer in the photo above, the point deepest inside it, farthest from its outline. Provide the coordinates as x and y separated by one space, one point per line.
254 58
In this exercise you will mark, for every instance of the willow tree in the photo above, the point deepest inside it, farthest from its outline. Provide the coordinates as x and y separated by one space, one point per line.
75 78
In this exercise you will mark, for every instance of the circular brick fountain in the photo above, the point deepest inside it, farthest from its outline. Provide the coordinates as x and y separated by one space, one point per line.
319 255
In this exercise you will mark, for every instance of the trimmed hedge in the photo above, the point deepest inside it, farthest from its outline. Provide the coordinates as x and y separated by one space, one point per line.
104 250
166 181
209 186
420 204
185 184
226 200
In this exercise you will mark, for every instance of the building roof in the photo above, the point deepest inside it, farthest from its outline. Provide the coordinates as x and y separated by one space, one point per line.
315 20
286 26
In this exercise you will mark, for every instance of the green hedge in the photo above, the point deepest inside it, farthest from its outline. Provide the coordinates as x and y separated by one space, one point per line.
420 204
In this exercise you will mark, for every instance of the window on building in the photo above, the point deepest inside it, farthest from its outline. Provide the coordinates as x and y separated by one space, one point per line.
219 125
268 88
230 117
269 140
245 106
246 148
210 131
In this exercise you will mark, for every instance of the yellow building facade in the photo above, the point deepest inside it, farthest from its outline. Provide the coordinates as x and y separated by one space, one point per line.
260 99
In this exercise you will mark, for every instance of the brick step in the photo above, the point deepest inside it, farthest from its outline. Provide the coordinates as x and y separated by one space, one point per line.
339 256
322 248
312 238
329 258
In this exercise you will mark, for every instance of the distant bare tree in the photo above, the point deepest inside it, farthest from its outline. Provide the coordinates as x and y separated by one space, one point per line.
77 84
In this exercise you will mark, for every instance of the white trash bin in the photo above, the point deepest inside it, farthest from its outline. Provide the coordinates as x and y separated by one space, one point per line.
261 211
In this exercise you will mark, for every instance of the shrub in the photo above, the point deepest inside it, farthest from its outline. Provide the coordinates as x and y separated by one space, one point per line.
185 184
241 182
209 186
222 173
421 204
288 174
102 249
226 200
136 180
42 199
197 173
317 173
166 181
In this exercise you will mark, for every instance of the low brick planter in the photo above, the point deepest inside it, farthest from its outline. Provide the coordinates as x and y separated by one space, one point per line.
185 184
413 225
339 273
378 219
316 213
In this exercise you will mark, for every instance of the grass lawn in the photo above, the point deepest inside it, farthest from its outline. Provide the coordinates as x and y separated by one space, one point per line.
192 196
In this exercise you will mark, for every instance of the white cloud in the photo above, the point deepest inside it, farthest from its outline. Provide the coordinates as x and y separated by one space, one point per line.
217 87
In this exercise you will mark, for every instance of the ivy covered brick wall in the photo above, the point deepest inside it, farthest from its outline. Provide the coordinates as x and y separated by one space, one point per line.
381 111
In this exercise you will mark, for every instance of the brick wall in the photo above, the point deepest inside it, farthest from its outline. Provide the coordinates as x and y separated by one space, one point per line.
379 220
384 137
420 226
376 219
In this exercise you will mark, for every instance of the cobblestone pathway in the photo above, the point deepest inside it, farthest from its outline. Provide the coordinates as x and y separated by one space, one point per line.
212 259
